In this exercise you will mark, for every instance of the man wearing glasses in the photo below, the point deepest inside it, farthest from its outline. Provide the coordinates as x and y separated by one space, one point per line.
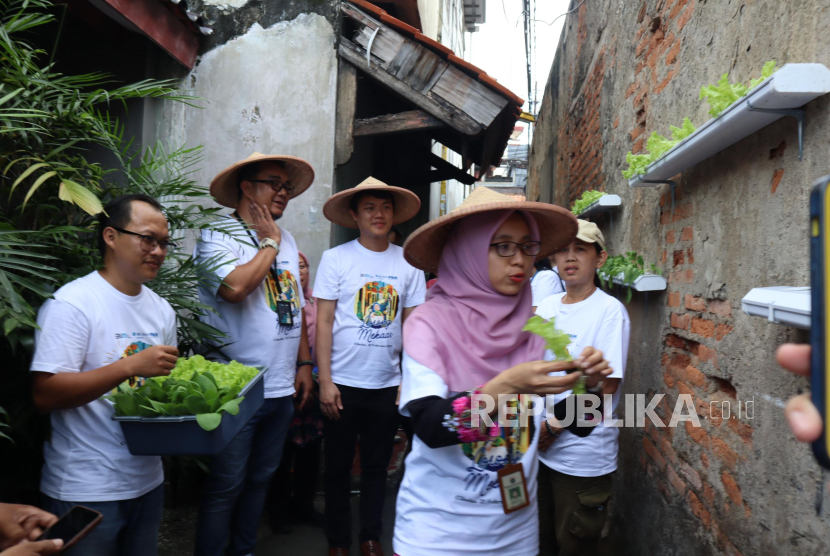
101 332
258 301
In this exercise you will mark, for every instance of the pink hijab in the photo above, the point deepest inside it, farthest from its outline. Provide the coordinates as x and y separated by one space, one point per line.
466 331
310 309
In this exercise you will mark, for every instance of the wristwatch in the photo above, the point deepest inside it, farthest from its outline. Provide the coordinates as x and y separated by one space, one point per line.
268 242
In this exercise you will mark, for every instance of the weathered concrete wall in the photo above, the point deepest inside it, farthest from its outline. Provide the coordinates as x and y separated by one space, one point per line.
623 70
272 90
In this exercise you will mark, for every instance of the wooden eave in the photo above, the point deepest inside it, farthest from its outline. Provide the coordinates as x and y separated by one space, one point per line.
477 113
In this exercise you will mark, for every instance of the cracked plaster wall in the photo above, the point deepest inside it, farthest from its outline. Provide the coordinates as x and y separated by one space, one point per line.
270 90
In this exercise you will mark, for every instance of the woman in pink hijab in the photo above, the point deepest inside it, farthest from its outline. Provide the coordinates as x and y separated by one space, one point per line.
470 486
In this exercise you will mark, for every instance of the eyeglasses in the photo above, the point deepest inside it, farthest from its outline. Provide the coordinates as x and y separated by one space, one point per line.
277 185
510 248
149 243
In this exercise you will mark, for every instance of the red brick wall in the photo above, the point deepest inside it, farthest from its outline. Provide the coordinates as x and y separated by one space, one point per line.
625 70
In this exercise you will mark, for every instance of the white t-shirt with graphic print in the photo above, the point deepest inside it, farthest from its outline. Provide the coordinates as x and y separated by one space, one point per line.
602 322
449 502
255 336
88 325
371 290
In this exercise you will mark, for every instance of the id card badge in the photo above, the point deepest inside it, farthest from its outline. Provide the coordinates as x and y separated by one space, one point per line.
284 313
513 488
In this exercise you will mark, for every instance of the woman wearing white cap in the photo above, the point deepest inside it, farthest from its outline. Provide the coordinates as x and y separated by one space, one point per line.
575 477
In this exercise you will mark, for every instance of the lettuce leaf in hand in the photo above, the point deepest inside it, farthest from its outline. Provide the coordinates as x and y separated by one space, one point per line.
555 340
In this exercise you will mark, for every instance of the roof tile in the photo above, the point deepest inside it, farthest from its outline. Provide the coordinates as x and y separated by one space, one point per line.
493 84
468 68
434 45
404 28
369 7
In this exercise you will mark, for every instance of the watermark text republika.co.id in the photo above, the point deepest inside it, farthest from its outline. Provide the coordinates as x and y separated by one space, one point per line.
591 409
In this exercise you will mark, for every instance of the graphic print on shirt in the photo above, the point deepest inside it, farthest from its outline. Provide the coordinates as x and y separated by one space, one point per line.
491 456
376 305
288 287
125 346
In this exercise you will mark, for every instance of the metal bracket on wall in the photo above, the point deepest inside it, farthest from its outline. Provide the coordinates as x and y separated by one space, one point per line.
672 186
797 113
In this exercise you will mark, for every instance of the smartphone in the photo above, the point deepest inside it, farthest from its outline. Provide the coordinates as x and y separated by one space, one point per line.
819 325
73 526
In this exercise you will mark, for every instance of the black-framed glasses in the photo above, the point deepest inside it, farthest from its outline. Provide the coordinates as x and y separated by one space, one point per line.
149 243
277 185
510 248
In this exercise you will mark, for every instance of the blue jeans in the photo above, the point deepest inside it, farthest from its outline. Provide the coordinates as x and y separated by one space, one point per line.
129 528
234 494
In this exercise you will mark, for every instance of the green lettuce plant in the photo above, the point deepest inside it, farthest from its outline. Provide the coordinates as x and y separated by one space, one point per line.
719 96
627 268
587 199
555 340
201 393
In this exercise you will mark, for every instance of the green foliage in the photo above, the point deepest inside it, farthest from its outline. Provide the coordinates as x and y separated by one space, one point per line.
724 94
555 340
4 418
720 97
657 145
627 268
230 374
201 394
586 200
51 187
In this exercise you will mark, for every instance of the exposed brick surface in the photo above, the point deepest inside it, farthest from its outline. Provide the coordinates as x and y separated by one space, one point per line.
680 321
703 327
675 481
722 330
653 453
670 236
731 487
675 341
687 233
694 376
698 434
720 307
691 476
695 303
698 509
776 179
674 298
724 452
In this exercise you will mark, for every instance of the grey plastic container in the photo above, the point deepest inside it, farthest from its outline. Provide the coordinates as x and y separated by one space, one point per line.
182 435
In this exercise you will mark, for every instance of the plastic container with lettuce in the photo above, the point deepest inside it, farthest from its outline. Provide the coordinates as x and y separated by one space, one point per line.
195 386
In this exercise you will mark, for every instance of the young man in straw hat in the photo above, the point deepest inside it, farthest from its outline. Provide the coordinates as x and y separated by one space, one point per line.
258 302
365 290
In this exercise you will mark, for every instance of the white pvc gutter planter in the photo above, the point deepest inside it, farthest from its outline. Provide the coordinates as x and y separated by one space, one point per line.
644 283
780 304
789 88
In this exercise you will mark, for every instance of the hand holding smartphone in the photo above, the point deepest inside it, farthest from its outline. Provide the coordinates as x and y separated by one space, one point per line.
73 526
820 313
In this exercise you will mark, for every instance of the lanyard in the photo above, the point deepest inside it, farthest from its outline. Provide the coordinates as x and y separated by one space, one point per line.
273 269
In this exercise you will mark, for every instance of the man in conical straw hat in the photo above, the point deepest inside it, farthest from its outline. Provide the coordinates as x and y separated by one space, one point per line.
365 290
258 301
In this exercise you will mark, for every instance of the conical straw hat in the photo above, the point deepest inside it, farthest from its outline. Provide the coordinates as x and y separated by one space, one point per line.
557 226
224 185
336 209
